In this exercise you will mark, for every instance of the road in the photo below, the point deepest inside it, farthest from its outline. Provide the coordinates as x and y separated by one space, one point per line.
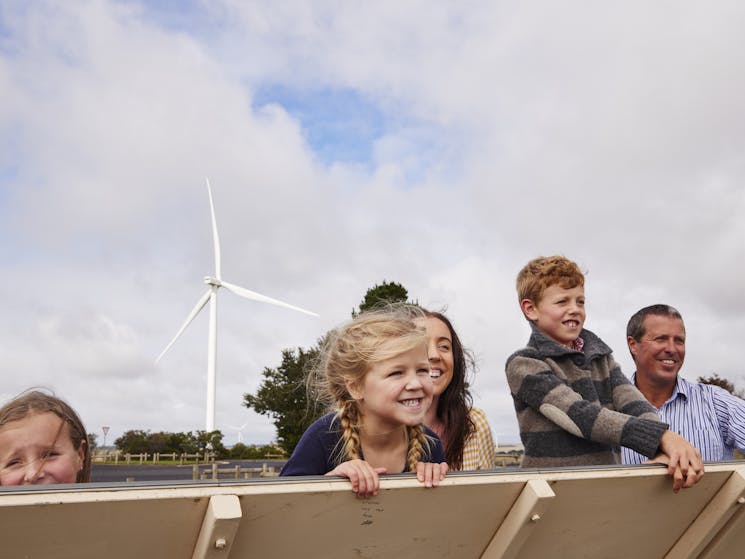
156 472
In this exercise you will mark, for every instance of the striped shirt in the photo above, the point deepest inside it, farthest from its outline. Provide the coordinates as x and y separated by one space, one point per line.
479 452
707 416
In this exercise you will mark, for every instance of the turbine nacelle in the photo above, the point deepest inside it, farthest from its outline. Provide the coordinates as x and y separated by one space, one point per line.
212 281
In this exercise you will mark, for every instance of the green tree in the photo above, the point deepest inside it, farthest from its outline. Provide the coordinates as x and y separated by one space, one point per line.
282 396
92 441
716 380
133 441
211 439
386 292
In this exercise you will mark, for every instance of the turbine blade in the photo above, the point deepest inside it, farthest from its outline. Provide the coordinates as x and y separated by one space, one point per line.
194 312
248 294
215 236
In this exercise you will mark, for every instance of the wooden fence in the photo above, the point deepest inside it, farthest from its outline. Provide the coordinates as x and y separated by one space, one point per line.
117 456
212 471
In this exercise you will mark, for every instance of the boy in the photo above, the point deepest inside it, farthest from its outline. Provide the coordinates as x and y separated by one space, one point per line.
573 404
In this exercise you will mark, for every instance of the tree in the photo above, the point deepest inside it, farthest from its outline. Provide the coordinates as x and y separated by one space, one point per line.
716 380
92 441
133 441
137 441
210 439
282 396
282 393
386 292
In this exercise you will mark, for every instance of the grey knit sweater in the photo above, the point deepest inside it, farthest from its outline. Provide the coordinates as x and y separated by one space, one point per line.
577 408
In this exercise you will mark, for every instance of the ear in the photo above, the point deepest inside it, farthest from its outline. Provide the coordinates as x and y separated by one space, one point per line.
632 346
81 453
354 389
529 309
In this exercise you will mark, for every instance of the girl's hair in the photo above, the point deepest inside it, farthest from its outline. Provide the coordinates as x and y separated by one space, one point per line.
35 402
347 355
454 404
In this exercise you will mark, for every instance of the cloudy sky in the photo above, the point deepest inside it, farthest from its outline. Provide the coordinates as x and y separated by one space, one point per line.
437 144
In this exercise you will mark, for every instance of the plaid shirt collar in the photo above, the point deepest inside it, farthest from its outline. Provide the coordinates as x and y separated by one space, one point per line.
578 344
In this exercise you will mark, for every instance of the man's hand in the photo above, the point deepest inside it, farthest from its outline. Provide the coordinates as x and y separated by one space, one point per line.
683 460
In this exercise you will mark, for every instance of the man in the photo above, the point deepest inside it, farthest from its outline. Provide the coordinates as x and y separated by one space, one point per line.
712 419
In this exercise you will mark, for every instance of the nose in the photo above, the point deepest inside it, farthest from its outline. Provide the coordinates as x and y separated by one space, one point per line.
670 346
432 353
413 382
32 472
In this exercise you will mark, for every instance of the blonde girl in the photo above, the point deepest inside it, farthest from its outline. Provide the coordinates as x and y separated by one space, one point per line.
374 376
42 441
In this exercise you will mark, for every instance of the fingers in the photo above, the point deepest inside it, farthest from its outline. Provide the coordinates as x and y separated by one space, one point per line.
363 477
430 473
677 480
684 462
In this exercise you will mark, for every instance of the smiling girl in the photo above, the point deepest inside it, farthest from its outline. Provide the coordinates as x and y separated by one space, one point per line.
463 429
42 441
374 374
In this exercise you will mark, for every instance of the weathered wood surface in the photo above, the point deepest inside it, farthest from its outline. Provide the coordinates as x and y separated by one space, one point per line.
600 512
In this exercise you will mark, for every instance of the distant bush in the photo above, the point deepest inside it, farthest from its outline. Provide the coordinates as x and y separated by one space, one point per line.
240 451
137 441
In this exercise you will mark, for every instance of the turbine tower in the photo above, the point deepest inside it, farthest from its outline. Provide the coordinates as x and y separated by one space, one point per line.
211 297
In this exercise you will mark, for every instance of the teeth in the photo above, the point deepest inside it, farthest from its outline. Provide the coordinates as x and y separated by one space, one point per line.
435 373
668 362
412 402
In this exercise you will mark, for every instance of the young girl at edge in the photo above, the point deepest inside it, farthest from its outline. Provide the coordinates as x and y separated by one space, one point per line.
42 441
374 373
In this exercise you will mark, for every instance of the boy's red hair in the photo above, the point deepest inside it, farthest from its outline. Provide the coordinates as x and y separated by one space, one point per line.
542 272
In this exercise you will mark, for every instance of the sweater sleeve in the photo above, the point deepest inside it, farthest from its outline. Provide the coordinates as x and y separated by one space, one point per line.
311 455
533 383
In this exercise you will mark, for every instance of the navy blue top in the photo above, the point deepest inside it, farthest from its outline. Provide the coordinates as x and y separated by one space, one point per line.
321 442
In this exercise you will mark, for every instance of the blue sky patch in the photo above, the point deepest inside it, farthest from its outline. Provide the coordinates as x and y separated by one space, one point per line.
340 124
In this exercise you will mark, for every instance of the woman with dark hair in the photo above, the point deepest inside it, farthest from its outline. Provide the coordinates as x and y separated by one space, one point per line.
463 429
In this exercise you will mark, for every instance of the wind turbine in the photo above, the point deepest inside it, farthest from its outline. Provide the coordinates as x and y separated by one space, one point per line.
239 430
211 297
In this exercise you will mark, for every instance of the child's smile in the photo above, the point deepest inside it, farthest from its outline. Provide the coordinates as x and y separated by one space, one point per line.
396 391
560 314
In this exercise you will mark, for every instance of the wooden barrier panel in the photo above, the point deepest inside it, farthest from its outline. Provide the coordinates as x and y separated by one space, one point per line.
595 512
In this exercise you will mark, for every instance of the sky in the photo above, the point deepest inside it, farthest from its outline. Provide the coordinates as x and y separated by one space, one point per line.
437 144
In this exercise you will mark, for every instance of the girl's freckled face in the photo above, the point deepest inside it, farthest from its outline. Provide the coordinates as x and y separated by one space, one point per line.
38 450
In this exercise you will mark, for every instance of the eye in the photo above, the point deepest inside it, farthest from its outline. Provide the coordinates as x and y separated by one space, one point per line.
395 373
581 302
422 371
443 347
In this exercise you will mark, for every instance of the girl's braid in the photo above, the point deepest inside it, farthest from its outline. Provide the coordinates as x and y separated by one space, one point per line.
417 443
349 418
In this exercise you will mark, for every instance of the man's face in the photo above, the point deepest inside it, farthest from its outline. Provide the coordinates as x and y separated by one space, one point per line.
660 352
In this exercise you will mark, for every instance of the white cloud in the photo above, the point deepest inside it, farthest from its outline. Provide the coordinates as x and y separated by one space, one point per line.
612 135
